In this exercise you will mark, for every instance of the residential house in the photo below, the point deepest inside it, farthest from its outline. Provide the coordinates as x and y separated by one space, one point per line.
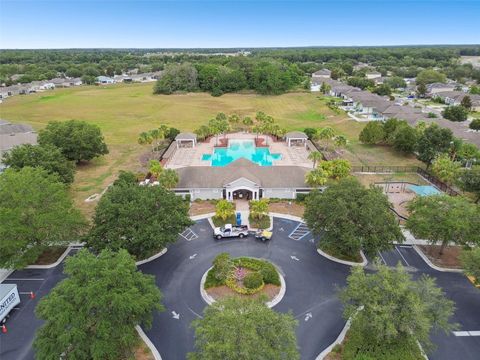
323 73
104 80
435 88
373 75
456 97
12 135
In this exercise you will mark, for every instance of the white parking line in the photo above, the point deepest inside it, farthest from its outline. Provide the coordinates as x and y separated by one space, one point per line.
14 279
466 333
188 234
299 232
381 257
406 262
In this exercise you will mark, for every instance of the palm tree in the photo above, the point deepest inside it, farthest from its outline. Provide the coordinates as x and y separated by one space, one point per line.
340 141
247 122
156 135
259 208
315 156
155 168
316 178
224 209
326 134
145 138
168 178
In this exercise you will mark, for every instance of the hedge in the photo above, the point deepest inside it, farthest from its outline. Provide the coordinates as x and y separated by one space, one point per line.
268 270
232 284
253 280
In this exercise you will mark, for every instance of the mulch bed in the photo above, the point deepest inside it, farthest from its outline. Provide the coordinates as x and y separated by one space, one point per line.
449 258
50 255
221 292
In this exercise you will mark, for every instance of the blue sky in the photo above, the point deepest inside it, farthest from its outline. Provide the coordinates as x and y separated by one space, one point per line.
175 24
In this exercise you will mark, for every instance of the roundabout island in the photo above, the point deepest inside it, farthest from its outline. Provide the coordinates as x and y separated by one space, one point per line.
243 277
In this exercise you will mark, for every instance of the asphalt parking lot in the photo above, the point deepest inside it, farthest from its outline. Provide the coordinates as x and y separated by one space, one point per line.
17 343
311 293
308 276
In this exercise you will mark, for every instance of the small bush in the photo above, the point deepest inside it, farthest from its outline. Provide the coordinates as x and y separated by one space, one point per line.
232 284
267 270
212 281
475 124
188 197
253 280
301 197
431 115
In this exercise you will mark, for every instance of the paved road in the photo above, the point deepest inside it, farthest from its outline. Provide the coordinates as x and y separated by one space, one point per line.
311 282
457 288
311 286
16 344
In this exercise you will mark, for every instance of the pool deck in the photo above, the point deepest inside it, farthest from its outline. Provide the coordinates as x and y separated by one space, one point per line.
183 157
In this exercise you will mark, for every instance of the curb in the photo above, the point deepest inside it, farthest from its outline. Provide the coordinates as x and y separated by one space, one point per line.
286 216
338 340
148 342
433 266
210 300
49 266
345 262
151 258
207 298
201 217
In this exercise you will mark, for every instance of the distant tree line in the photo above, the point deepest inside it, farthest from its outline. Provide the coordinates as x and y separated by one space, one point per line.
239 73
218 73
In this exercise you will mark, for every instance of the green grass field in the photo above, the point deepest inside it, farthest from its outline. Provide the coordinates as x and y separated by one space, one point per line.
123 111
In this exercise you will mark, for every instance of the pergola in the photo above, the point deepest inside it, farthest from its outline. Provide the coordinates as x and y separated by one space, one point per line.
296 137
186 138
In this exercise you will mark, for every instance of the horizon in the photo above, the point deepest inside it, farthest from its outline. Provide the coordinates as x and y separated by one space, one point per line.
127 24
239 48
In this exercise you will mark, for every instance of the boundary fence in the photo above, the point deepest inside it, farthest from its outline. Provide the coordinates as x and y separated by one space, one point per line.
380 169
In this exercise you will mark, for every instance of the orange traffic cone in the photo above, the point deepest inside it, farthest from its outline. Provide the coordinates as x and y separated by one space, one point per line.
32 295
4 329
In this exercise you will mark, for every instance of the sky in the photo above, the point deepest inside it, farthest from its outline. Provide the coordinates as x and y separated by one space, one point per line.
33 24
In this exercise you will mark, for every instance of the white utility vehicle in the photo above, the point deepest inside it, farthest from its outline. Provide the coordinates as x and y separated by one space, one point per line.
229 230
8 300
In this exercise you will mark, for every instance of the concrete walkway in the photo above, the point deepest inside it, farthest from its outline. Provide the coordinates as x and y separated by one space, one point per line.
242 207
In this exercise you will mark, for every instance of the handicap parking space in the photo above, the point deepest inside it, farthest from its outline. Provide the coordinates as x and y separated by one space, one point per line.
300 231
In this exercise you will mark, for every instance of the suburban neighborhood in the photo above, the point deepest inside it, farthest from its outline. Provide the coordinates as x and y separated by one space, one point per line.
239 181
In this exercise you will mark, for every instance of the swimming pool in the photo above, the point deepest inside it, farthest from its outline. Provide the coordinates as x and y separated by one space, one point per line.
241 149
424 190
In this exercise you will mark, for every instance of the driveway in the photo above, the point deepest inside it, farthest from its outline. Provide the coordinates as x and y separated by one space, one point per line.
311 286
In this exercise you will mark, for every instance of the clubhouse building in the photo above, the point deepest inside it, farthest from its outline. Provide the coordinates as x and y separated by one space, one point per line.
243 167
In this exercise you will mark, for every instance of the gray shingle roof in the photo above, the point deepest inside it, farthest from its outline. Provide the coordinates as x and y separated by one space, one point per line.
296 135
265 176
186 136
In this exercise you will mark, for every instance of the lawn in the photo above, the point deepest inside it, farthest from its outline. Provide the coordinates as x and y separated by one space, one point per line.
123 111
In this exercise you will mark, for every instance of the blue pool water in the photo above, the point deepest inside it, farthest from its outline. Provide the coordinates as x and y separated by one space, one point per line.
241 149
424 190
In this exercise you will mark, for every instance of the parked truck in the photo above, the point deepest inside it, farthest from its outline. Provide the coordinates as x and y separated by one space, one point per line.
229 231
8 300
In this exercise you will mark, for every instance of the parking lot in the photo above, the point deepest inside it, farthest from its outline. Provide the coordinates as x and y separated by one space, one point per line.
311 292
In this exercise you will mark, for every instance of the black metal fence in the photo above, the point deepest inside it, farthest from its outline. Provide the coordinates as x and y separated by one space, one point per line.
438 183
380 169
384 169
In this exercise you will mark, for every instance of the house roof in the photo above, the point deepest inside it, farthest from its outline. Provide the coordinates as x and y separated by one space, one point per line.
7 128
296 135
322 72
265 176
186 136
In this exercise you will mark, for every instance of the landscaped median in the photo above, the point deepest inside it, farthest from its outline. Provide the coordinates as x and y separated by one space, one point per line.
242 277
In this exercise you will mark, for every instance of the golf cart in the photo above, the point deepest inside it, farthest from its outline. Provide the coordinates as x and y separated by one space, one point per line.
263 235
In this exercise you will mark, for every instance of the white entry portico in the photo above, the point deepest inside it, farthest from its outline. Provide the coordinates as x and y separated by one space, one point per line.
239 185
